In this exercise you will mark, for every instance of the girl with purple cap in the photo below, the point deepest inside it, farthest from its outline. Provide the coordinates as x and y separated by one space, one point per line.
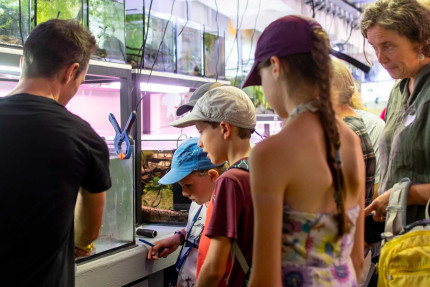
308 180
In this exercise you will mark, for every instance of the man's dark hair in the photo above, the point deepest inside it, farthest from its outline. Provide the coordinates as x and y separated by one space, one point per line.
53 45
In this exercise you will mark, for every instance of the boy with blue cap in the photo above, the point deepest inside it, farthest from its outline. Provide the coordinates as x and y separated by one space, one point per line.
193 170
225 118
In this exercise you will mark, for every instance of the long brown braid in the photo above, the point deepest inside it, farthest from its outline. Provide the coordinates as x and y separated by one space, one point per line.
320 54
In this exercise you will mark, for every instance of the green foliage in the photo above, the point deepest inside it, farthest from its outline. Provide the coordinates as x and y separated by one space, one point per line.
260 99
106 22
50 9
257 95
134 24
106 18
9 20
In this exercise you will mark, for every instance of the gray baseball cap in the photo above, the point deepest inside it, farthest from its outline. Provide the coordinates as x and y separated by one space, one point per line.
195 96
225 103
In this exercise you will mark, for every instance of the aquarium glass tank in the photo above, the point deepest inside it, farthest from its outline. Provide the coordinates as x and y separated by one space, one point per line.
106 20
44 10
189 50
133 37
118 217
155 164
159 51
11 34
214 55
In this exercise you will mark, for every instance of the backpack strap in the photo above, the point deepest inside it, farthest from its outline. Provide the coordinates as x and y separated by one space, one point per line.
396 209
236 252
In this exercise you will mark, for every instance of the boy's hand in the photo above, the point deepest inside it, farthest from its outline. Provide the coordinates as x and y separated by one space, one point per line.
164 247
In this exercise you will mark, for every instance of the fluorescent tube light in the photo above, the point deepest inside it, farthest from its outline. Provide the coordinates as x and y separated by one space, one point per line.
161 88
10 69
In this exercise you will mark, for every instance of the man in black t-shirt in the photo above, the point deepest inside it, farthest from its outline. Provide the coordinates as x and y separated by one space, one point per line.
51 161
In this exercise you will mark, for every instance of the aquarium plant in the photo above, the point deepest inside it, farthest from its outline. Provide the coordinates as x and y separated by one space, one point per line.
57 9
214 55
189 50
10 31
106 20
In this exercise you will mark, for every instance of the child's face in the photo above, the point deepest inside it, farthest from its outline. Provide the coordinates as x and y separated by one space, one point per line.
198 187
211 141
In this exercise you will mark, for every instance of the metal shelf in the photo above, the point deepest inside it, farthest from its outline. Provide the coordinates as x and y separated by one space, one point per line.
268 118
169 78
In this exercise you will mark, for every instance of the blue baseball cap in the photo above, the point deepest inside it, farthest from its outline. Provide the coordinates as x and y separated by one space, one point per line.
187 158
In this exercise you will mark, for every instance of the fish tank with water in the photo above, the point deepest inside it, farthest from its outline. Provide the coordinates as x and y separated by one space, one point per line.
117 229
189 49
106 20
14 22
160 203
158 52
214 55
44 10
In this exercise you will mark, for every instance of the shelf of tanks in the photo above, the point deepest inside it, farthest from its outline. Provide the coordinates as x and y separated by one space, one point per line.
174 46
187 55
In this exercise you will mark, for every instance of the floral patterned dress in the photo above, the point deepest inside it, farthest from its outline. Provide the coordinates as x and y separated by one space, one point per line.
311 253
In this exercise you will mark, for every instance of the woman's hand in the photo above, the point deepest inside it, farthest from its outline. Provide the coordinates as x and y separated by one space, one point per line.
379 206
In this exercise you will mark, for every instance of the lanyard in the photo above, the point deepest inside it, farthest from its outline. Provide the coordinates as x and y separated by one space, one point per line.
181 259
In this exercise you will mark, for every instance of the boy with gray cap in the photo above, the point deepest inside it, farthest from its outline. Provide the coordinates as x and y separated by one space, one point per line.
225 118
192 169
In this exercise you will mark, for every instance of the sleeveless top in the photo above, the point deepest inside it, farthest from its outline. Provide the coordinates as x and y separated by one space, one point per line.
312 254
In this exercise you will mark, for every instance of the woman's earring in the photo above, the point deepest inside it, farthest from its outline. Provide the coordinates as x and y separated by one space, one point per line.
420 56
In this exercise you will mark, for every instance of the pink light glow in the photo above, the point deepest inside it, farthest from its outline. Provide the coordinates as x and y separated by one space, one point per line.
93 103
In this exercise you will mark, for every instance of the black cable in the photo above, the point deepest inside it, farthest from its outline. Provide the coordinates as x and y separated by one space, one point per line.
156 56
238 62
237 42
253 32
217 38
145 36
261 136
313 9
20 19
238 26
141 51
186 22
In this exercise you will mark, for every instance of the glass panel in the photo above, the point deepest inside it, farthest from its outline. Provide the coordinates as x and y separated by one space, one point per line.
189 47
107 23
6 87
214 49
94 102
118 220
134 38
11 33
164 59
162 55
58 9
155 164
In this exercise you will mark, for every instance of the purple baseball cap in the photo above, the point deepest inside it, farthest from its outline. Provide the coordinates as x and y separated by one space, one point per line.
286 36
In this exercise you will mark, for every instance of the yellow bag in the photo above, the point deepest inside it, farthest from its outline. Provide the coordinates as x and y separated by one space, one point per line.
405 255
405 260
